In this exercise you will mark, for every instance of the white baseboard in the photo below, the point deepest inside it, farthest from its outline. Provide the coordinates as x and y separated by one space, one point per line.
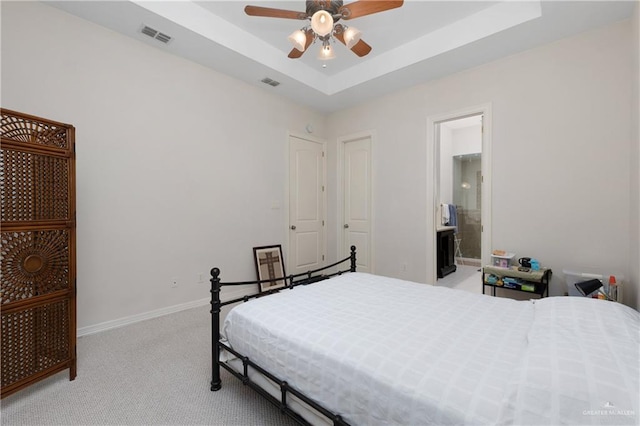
108 325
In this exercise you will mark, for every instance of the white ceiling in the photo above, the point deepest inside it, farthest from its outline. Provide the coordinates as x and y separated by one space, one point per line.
418 42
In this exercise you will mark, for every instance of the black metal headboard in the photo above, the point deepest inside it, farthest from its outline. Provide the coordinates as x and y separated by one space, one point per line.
292 281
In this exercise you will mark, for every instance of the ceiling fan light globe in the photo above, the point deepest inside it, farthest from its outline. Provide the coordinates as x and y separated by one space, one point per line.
322 23
298 39
351 37
326 53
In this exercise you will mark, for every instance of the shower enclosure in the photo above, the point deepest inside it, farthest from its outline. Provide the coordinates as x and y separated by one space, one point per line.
467 196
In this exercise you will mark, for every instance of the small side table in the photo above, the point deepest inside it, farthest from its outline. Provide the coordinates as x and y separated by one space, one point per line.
535 282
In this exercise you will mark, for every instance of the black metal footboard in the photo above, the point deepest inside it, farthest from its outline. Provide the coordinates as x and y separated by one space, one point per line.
217 346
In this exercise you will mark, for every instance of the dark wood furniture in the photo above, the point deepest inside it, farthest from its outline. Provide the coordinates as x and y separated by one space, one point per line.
446 251
535 282
218 346
38 259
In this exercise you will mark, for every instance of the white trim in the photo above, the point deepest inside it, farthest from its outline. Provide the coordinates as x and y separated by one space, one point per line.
286 239
432 170
121 322
342 252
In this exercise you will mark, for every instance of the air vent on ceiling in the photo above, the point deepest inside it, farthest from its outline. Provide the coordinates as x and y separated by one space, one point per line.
161 37
270 82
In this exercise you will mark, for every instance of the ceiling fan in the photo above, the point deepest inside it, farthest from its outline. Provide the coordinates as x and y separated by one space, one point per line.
324 16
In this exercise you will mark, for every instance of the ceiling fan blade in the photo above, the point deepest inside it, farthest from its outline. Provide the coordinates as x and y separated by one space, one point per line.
360 48
367 7
295 53
274 13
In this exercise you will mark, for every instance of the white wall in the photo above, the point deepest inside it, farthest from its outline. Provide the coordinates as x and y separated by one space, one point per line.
454 142
560 128
177 165
467 140
170 200
634 246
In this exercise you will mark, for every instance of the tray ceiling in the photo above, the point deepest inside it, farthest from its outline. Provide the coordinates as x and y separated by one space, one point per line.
418 42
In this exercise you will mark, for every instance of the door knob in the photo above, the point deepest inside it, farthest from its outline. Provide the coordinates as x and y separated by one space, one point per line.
346 225
293 227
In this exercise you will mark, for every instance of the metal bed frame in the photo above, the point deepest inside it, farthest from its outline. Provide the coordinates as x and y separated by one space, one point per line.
218 346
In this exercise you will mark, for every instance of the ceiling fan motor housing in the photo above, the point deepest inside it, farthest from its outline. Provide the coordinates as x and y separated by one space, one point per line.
330 6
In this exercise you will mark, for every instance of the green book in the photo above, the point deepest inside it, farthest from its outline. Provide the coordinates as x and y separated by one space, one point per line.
528 287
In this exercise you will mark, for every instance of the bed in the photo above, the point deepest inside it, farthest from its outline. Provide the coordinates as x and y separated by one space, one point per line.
362 349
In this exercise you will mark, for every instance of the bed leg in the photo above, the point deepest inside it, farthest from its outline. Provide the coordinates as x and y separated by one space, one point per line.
353 258
216 383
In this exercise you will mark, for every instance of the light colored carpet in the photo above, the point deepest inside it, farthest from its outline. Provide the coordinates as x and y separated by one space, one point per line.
155 372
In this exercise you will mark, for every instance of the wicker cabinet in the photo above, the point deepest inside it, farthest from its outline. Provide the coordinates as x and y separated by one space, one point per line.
38 299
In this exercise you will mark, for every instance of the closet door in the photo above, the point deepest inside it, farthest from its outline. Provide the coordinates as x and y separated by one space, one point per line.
37 259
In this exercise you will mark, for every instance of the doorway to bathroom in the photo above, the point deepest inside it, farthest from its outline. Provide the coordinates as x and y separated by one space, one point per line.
461 184
461 195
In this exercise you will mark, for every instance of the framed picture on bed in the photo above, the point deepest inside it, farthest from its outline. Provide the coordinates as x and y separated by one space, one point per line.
269 265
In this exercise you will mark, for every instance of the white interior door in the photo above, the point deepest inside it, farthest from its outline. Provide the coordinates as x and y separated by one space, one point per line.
356 226
306 205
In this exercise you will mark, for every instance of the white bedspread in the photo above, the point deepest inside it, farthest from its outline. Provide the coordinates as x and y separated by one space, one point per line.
383 351
581 366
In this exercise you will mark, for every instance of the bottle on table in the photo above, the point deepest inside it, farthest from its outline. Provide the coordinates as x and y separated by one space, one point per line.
613 288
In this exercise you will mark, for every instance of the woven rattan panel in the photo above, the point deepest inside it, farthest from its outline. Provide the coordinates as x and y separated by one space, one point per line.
37 257
32 131
36 187
33 340
34 263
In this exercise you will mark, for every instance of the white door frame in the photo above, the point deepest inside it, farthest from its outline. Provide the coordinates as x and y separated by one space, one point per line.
287 194
342 140
433 154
